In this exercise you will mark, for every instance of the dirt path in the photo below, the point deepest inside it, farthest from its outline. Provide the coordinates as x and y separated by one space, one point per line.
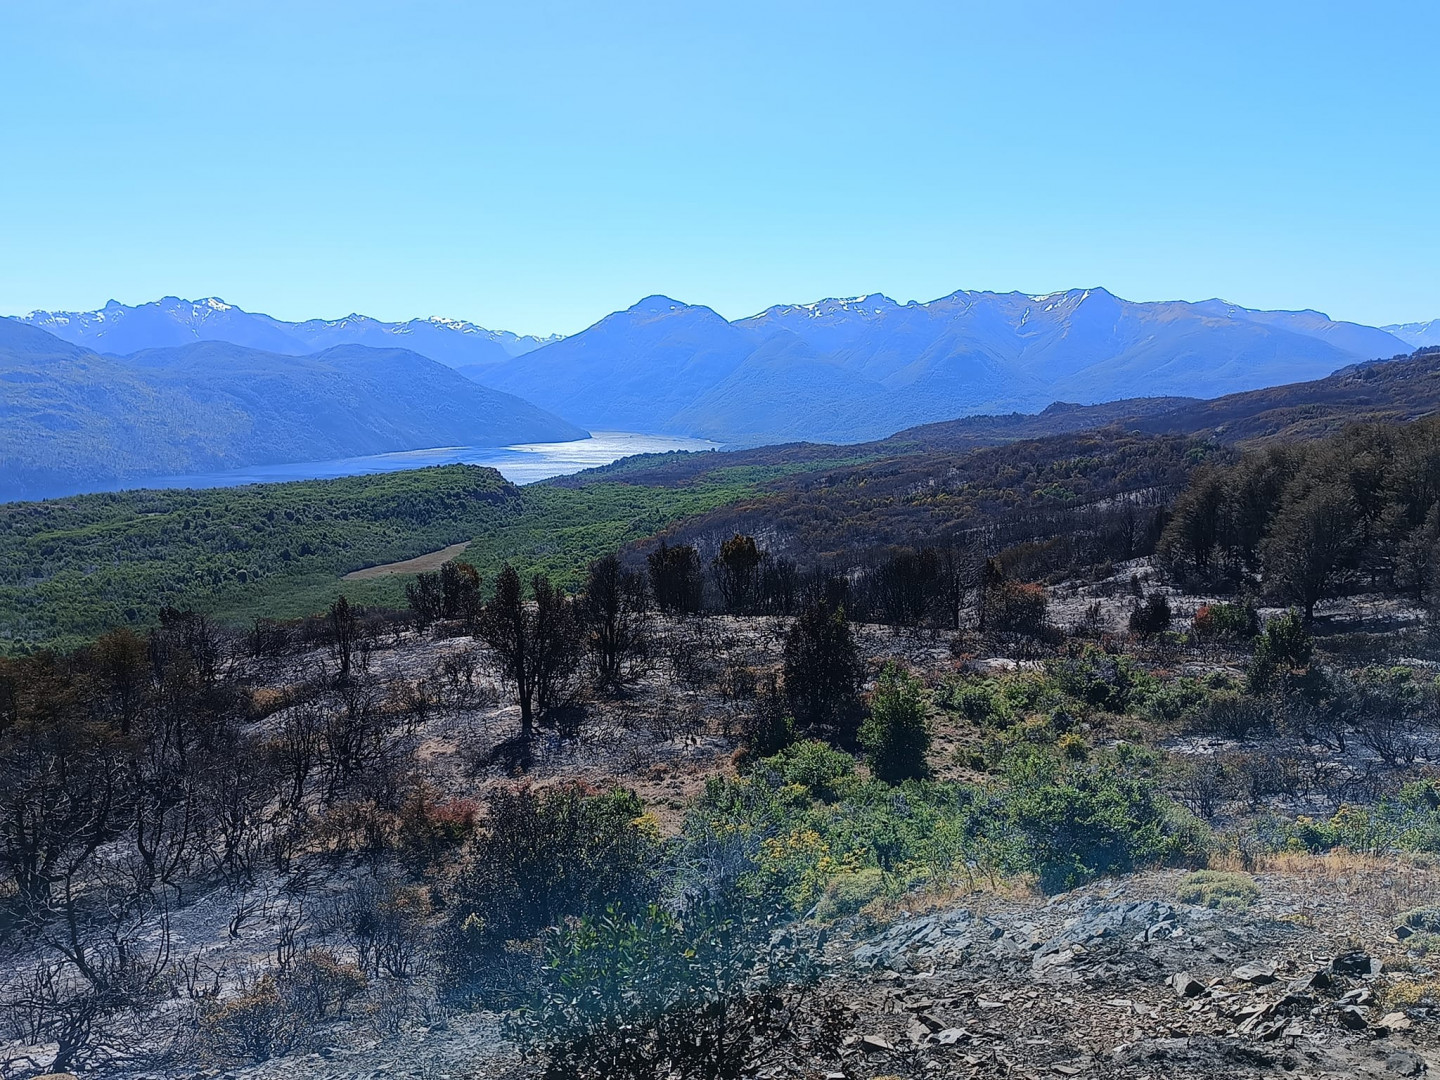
419 565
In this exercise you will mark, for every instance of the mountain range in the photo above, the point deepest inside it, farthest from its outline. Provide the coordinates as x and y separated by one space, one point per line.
837 370
119 329
853 369
72 419
1419 334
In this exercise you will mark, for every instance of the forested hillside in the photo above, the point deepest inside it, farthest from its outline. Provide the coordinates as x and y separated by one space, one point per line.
75 420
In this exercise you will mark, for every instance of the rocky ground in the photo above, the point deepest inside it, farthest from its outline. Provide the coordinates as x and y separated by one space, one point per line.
1115 980
1118 979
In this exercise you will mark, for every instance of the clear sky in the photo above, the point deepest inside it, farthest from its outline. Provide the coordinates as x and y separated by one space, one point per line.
535 165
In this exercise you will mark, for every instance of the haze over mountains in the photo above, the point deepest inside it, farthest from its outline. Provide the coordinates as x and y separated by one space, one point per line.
74 420
205 385
1419 334
845 370
118 329
833 370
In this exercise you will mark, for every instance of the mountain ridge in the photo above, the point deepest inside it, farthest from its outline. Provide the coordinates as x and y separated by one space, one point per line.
866 366
74 418
839 369
119 329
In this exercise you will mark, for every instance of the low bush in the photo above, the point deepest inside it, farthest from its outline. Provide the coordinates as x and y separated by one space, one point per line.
1419 931
1173 701
976 700
1100 679
429 828
1081 820
543 856
1410 821
1426 919
651 995
824 772
1226 622
767 726
847 893
280 1012
1230 715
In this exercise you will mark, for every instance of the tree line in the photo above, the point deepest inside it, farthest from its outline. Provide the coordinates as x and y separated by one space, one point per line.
1307 521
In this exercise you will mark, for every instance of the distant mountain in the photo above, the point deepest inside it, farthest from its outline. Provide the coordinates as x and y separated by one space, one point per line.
634 369
1398 390
859 368
117 329
838 369
71 419
1418 334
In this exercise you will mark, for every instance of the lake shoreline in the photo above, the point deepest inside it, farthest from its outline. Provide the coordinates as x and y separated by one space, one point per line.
523 463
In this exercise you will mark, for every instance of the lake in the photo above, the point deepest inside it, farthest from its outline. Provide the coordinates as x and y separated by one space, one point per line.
522 464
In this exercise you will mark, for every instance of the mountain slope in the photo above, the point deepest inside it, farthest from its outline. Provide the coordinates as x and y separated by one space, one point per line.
1419 334
760 400
841 369
634 369
73 419
854 369
119 329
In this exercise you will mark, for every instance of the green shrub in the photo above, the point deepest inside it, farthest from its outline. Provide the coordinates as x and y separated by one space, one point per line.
977 701
1151 616
1218 889
824 772
823 670
1423 943
1170 702
1284 646
1419 931
709 995
1080 820
1098 678
1072 746
562 852
1226 622
894 735
767 726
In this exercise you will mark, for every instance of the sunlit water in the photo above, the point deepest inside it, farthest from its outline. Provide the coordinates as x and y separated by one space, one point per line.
523 464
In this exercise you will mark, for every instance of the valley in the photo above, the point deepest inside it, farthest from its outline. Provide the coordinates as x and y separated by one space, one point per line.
499 592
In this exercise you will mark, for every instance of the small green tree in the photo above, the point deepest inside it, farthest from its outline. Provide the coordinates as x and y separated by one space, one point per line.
536 647
1283 647
1151 616
895 735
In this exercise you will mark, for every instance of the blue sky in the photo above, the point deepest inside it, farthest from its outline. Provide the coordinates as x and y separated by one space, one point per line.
535 165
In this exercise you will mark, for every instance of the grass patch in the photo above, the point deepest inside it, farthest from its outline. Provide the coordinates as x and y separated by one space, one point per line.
1218 889
72 568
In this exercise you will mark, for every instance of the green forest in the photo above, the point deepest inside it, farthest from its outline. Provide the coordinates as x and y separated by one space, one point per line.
72 568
